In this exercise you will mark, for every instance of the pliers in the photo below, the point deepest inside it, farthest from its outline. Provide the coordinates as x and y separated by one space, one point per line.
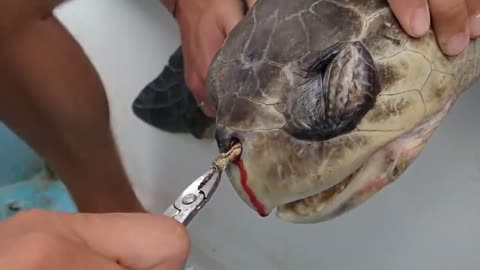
194 198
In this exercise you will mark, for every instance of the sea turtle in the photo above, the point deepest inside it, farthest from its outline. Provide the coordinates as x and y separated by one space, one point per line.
331 101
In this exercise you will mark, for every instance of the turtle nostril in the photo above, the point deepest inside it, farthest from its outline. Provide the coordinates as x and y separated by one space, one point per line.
225 138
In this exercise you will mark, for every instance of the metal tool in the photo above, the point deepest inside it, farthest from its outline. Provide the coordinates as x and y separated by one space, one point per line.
194 198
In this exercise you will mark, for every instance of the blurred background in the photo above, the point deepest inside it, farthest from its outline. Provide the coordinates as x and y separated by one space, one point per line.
428 219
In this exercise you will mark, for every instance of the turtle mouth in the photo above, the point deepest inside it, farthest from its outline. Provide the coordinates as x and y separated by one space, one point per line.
326 195
316 206
381 169
301 207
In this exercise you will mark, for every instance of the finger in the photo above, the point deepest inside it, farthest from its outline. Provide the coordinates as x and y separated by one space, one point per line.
250 3
230 17
473 7
135 241
203 101
210 43
47 251
450 24
196 79
208 109
196 83
231 14
413 15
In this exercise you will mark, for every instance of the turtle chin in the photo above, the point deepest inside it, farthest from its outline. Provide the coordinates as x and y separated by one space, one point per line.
381 169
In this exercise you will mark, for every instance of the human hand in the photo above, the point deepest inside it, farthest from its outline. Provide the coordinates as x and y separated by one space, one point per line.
454 21
47 240
204 26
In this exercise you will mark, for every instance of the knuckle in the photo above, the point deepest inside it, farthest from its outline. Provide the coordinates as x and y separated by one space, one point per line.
473 7
451 10
193 82
45 249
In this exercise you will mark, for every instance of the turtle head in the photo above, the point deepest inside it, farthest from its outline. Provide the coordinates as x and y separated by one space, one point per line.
298 136
300 93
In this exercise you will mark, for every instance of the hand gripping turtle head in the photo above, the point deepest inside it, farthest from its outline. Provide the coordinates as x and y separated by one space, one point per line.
330 100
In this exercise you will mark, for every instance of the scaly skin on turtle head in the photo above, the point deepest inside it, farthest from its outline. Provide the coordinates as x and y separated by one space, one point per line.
331 102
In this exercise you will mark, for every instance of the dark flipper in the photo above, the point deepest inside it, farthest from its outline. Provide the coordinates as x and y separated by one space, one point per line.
168 104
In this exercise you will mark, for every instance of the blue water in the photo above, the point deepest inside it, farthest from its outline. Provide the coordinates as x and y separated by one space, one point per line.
17 161
24 183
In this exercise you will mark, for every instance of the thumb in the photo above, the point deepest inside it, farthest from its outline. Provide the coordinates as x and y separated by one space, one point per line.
135 241
231 16
413 15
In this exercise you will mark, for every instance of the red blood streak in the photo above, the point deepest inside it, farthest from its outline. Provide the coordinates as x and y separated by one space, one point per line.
243 180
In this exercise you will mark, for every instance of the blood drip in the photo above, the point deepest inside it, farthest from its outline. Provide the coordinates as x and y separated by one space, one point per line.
253 199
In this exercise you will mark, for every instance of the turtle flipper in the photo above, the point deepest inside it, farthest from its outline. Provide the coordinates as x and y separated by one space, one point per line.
167 103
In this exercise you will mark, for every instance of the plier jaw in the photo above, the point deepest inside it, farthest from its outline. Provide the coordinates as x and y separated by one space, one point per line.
194 198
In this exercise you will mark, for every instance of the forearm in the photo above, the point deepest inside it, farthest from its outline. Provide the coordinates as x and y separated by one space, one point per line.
52 97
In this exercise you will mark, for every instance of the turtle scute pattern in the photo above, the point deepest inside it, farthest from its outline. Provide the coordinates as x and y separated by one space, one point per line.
415 77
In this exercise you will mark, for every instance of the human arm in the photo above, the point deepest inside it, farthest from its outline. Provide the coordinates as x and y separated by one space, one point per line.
53 98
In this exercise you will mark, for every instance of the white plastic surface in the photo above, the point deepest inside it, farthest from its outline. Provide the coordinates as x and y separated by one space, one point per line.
428 219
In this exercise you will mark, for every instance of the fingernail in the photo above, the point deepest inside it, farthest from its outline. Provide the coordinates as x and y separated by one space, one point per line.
420 21
456 44
475 25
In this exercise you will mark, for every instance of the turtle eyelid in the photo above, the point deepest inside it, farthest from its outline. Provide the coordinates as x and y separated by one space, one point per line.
317 62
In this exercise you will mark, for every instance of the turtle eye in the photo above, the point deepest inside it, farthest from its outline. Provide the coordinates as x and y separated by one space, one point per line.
322 62
338 88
